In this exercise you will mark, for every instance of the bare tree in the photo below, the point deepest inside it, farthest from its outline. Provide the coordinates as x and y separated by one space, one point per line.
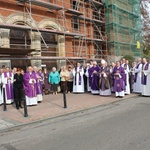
145 10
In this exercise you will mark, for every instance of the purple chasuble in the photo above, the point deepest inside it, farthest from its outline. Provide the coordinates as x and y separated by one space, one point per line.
119 83
94 78
144 77
9 86
30 88
80 69
125 68
135 77
90 78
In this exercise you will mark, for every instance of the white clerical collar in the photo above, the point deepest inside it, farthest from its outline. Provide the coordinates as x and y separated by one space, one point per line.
8 73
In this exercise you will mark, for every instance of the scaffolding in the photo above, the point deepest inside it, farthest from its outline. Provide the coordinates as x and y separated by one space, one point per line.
123 27
81 27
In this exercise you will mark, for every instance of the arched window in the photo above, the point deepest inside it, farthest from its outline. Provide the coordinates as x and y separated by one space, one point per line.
52 50
20 38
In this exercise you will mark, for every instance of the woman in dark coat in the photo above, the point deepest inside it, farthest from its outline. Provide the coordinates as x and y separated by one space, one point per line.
46 83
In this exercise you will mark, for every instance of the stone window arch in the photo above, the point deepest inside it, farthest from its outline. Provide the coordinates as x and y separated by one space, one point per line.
51 41
20 38
59 47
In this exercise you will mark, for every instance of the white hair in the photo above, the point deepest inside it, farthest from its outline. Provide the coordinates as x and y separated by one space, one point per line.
94 62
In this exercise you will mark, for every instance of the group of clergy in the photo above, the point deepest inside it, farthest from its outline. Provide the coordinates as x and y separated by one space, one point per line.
101 79
17 85
118 77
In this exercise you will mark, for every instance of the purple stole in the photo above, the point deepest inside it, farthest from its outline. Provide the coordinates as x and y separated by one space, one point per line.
144 77
79 76
125 67
9 87
90 78
135 78
31 76
38 83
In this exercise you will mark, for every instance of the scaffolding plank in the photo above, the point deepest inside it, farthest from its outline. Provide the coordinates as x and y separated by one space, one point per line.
98 21
97 3
12 26
74 12
85 18
98 40
15 51
16 57
123 43
20 27
90 19
94 39
44 4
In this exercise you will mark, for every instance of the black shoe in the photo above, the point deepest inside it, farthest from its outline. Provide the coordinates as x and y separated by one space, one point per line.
17 107
120 96
117 96
20 106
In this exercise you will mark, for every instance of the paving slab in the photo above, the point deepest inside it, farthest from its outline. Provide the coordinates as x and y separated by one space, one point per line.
52 106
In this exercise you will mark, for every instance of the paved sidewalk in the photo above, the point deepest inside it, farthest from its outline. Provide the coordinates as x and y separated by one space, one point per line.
52 106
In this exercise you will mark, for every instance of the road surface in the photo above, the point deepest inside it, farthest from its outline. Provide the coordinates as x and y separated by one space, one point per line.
124 125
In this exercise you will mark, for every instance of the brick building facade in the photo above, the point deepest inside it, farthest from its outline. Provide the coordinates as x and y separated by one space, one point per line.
51 32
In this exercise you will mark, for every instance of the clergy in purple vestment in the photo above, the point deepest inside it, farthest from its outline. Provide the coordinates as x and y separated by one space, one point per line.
119 80
137 71
78 82
145 78
39 79
89 75
7 80
1 93
127 84
111 79
104 84
46 83
94 74
30 86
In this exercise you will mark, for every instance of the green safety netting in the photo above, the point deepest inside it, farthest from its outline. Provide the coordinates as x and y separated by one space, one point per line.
124 27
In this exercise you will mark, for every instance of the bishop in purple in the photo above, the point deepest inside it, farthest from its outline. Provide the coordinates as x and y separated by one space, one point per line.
94 77
30 87
104 84
119 80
